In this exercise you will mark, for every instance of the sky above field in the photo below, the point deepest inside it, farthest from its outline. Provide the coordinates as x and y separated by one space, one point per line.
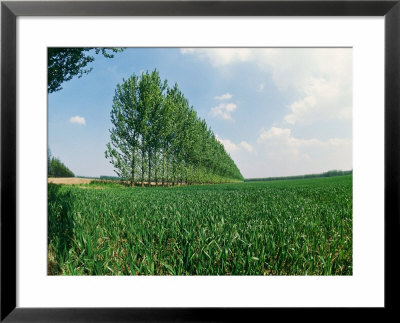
277 111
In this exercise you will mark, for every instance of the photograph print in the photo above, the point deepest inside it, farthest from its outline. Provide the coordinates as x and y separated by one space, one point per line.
200 161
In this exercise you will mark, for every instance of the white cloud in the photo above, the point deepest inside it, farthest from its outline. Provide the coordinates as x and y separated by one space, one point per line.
277 152
321 99
318 82
320 78
220 56
187 50
284 154
231 147
223 110
246 146
274 132
225 96
78 120
282 137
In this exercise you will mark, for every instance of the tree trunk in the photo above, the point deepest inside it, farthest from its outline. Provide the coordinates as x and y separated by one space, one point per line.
133 178
163 169
166 172
155 170
133 172
149 177
173 174
142 168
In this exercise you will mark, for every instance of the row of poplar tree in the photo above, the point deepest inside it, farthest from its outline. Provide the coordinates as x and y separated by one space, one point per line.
55 168
158 138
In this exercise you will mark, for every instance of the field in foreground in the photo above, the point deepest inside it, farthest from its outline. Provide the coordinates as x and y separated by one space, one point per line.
299 227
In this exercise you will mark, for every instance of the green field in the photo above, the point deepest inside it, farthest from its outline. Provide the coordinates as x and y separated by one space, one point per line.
291 227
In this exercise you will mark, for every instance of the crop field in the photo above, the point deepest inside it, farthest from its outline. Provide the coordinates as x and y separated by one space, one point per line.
291 227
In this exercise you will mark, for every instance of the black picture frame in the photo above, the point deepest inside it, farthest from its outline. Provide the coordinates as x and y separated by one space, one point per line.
10 10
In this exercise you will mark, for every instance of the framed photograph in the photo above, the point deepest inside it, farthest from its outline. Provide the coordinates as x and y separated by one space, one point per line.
197 160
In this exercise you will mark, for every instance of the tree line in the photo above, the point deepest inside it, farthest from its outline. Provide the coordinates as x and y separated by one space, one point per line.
330 173
55 168
158 138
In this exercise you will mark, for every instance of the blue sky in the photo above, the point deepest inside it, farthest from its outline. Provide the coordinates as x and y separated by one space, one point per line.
278 111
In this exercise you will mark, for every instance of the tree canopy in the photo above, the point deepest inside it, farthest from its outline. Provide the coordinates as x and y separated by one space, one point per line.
57 169
65 63
157 137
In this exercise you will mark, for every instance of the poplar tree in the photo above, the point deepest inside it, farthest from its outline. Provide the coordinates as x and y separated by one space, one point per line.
156 130
124 135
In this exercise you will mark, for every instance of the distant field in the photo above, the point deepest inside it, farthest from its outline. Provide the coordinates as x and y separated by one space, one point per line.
291 227
69 180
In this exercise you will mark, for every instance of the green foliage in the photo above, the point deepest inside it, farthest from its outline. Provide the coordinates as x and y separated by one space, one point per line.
111 178
57 169
48 161
326 174
104 184
158 137
65 63
88 177
262 228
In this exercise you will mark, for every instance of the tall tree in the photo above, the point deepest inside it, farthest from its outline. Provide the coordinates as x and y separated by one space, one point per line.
135 116
56 168
151 97
65 63
156 130
124 136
